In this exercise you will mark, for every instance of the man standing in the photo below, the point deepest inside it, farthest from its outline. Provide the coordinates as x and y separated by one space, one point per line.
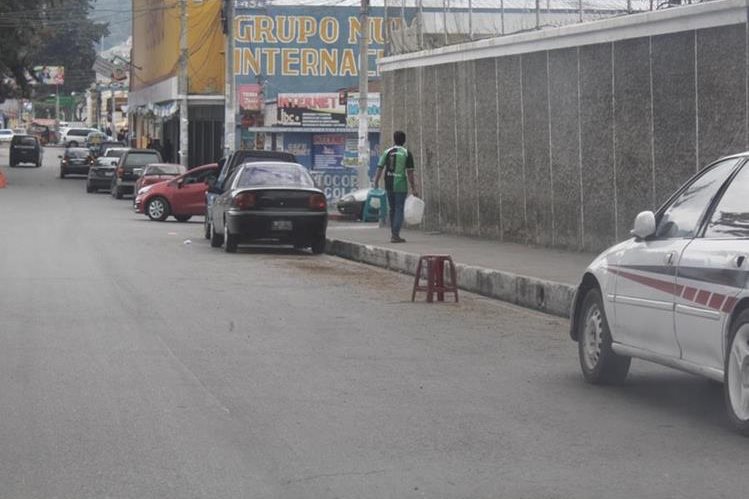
398 166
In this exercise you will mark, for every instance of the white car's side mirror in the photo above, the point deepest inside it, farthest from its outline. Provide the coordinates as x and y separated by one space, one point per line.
644 225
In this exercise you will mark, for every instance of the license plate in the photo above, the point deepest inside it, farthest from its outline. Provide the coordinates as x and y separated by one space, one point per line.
280 225
108 174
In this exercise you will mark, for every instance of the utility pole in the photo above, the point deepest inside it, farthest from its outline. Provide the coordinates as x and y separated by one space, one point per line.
183 84
363 173
230 112
57 104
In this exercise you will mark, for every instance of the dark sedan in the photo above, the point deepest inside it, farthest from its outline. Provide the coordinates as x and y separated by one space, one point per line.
270 203
75 161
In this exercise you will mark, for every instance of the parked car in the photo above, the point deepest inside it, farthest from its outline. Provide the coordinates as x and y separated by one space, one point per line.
75 160
158 172
111 155
270 202
129 168
75 137
101 173
181 197
99 149
352 204
6 134
228 165
25 149
676 292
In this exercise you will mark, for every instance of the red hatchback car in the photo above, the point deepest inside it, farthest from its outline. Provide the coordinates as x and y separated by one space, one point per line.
181 197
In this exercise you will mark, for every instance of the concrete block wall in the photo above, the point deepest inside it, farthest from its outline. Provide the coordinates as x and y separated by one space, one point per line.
562 147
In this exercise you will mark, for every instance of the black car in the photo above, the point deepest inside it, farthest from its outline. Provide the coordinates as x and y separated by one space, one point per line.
270 202
129 168
25 149
75 160
228 165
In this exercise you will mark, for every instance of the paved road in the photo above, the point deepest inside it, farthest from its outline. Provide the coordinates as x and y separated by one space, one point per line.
135 366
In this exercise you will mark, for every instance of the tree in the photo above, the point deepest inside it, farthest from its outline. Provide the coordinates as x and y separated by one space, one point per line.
46 33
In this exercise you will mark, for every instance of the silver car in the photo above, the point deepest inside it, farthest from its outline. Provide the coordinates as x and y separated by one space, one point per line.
676 292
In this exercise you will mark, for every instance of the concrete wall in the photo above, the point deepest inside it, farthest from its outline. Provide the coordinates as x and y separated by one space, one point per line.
563 146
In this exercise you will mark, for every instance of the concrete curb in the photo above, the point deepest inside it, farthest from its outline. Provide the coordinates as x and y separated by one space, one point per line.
531 292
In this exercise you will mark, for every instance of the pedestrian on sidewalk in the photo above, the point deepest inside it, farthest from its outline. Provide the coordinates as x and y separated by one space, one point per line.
398 165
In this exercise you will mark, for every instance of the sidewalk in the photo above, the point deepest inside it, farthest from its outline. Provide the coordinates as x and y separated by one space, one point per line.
539 278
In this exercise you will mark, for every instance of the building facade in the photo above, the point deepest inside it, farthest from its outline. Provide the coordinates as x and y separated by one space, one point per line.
153 102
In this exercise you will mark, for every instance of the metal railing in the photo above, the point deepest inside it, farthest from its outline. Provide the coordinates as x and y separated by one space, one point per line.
425 24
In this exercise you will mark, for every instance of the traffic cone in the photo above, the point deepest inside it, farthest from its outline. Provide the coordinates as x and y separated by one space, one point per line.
3 182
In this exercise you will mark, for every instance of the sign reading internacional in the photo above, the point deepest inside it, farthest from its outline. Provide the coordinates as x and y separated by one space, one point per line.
321 110
310 47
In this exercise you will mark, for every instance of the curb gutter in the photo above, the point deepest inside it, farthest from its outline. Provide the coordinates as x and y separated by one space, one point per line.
531 292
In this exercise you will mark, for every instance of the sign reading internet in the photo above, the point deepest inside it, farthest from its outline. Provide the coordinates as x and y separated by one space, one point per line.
323 110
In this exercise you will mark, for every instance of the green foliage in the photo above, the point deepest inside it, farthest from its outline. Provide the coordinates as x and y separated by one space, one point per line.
46 33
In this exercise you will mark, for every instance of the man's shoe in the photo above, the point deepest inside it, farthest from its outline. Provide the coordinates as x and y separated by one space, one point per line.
397 239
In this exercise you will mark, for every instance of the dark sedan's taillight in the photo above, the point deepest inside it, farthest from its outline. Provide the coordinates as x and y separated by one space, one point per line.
318 202
244 200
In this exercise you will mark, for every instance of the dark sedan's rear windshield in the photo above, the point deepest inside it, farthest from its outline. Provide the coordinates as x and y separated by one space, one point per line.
275 176
114 153
141 158
164 170
77 153
26 141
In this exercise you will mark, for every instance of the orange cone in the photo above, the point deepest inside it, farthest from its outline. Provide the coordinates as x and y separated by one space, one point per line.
3 182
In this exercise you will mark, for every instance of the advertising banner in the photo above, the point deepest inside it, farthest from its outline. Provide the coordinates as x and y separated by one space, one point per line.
335 182
322 110
249 96
328 150
299 144
308 48
50 75
373 109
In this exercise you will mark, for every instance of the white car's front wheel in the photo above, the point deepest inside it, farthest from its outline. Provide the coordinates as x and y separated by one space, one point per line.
599 363
736 374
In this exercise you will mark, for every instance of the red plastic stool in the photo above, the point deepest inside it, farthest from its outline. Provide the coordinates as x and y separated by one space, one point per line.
435 266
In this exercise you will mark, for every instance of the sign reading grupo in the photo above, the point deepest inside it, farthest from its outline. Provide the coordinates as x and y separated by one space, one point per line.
322 110
307 48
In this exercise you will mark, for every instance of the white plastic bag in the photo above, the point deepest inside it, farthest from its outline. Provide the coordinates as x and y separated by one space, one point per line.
413 212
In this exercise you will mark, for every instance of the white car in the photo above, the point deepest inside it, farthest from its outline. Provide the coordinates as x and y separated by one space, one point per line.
6 134
676 292
75 137
111 156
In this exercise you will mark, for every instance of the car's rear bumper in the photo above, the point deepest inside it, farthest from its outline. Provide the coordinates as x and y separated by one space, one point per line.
258 226
126 186
76 169
100 182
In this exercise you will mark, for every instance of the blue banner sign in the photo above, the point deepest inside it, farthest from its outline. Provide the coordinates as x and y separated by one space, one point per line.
304 48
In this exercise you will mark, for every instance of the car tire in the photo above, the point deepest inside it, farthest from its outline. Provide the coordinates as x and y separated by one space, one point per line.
117 193
318 246
735 391
182 218
599 364
157 209
90 189
231 241
72 143
206 228
216 239
62 173
38 164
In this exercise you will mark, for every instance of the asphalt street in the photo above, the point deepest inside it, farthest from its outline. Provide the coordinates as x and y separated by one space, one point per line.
138 362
